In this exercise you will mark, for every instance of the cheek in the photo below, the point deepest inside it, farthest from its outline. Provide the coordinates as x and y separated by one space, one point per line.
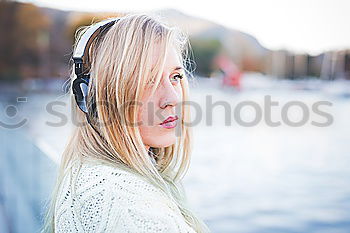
142 116
146 116
147 124
179 91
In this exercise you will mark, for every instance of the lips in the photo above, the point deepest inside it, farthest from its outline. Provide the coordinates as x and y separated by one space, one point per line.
169 119
170 122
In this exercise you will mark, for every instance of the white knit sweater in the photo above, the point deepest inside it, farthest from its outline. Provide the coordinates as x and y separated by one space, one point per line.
110 199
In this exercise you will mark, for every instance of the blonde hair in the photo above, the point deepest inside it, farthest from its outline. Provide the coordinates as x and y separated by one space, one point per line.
120 67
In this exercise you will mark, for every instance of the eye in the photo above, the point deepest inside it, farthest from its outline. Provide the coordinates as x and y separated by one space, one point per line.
176 78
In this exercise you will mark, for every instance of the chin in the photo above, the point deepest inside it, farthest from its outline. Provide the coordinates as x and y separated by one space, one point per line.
163 141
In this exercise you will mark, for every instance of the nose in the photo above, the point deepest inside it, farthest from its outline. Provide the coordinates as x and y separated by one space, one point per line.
170 96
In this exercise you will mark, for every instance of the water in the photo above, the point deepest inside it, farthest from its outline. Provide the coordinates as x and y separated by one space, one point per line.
272 179
252 179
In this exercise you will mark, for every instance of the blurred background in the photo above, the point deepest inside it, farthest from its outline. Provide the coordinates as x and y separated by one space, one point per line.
247 175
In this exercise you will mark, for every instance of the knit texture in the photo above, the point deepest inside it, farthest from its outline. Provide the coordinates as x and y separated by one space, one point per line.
102 198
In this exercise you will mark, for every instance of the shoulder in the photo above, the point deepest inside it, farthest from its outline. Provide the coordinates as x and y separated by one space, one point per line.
92 178
105 197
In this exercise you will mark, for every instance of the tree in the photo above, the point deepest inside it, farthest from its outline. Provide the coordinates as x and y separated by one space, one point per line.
204 51
22 27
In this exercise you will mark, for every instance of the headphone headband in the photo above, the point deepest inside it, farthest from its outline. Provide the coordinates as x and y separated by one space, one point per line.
81 51
81 60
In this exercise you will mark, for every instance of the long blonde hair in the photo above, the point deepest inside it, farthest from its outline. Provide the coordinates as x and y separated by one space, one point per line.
120 68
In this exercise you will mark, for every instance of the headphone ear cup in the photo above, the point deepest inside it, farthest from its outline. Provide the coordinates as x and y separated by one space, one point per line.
80 91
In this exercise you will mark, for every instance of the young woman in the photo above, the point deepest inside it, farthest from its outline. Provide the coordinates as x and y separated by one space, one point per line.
122 168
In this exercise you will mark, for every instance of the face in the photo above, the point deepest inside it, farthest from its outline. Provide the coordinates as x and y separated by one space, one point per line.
163 105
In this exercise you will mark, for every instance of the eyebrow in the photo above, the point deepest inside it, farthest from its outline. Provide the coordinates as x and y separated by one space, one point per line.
178 68
175 68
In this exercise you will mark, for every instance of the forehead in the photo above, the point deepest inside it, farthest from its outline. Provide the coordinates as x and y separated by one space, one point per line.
172 59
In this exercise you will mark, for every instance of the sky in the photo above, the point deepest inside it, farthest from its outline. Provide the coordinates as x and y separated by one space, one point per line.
312 26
